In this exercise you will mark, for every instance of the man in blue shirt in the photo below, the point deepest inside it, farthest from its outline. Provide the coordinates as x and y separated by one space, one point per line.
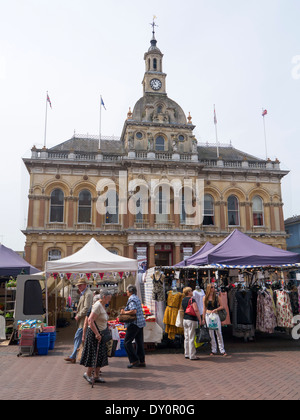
134 330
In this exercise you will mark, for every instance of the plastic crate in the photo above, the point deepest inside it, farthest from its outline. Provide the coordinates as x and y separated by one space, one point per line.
49 329
121 352
52 340
43 343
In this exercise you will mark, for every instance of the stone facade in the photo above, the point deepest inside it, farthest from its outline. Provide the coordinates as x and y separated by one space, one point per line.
158 165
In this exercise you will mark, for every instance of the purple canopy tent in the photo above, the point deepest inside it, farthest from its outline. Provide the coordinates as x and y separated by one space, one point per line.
239 249
11 264
190 260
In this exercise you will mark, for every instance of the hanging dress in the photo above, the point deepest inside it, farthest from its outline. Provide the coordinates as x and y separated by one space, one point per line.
266 318
173 304
284 309
242 317
158 289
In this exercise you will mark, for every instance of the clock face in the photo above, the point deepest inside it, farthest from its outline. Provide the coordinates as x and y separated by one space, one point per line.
155 84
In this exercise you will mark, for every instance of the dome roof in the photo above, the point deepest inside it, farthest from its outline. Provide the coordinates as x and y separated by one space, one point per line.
163 108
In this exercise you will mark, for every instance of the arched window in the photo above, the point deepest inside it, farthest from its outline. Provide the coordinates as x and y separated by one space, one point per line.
257 211
54 254
159 144
208 211
233 211
154 64
84 207
112 207
57 206
161 206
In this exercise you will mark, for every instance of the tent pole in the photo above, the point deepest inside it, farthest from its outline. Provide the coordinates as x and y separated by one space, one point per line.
46 298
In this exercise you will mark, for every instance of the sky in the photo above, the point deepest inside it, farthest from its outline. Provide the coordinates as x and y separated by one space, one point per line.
241 56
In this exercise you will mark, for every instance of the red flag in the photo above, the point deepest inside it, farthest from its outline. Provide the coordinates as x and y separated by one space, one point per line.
88 275
215 117
101 275
48 100
121 274
68 275
264 112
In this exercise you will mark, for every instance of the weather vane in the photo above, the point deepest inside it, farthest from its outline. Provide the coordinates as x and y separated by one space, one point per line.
153 24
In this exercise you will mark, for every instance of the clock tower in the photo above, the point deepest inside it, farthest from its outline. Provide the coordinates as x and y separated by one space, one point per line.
157 124
154 79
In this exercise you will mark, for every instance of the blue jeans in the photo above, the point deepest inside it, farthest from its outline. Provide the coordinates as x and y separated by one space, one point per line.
77 342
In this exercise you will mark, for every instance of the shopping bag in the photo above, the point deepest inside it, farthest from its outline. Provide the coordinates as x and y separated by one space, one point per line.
213 322
196 344
179 319
202 335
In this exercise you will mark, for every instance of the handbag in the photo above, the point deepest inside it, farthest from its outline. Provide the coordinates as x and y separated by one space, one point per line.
179 319
127 317
202 335
106 335
222 314
190 310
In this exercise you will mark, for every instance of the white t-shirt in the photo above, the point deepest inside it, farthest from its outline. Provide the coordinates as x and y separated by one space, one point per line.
102 317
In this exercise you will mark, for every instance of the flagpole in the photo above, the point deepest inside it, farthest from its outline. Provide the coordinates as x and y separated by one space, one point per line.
265 133
100 123
46 120
215 120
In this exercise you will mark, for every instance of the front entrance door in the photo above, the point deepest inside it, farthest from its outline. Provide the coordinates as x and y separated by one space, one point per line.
163 255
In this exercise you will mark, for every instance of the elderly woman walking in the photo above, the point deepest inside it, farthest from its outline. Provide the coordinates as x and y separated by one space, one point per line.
97 323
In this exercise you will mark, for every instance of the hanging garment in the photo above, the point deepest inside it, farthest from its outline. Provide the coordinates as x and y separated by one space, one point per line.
266 319
242 316
198 296
284 309
173 304
158 288
294 301
224 302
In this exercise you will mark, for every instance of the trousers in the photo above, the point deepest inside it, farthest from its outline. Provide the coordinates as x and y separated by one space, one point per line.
77 342
134 354
219 335
189 335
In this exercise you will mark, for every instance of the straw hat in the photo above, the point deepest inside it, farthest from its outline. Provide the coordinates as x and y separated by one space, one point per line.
81 281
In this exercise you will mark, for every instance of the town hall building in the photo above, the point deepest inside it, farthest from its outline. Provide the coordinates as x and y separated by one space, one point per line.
155 191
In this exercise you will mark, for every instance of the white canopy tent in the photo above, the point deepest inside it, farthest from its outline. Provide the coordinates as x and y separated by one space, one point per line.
91 258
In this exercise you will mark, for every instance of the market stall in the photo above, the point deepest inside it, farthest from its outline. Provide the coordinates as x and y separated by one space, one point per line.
252 278
97 264
11 265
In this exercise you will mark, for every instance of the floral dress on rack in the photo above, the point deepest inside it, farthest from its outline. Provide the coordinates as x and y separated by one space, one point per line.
284 310
173 304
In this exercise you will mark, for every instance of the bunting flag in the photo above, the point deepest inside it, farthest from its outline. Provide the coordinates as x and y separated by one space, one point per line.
121 274
68 275
101 275
88 275
55 275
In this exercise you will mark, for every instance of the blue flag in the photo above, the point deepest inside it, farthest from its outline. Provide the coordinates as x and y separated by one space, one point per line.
102 103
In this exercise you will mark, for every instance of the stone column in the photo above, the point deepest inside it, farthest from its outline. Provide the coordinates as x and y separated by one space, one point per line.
151 262
130 250
30 212
177 252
